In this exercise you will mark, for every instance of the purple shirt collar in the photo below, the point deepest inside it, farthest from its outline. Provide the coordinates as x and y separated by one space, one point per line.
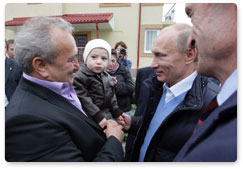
63 89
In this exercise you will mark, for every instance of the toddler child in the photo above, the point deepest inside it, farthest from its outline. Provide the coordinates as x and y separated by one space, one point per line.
94 86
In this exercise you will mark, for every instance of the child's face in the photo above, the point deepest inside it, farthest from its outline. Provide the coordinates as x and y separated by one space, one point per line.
97 60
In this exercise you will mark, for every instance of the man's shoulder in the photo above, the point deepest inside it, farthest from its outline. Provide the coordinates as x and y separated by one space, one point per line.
153 83
207 83
146 69
11 61
122 69
145 72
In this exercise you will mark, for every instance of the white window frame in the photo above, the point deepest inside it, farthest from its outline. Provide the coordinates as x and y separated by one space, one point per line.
145 47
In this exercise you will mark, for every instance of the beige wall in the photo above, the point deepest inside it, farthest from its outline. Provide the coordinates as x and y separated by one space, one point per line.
151 15
125 21
15 10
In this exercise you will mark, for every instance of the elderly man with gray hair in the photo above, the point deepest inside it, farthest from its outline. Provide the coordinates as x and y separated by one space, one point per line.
177 96
45 120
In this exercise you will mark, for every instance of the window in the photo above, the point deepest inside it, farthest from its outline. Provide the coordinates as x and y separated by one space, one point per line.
147 37
81 39
150 35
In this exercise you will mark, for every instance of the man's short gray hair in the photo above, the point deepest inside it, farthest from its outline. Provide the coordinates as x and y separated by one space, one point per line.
184 32
34 39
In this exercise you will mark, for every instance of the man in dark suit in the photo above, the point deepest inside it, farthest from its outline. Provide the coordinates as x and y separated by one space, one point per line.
142 75
44 119
176 98
12 77
216 137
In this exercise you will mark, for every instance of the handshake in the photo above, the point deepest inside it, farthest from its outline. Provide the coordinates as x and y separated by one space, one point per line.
115 128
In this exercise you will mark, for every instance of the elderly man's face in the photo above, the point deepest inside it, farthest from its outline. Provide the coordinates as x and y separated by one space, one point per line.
168 63
215 33
65 63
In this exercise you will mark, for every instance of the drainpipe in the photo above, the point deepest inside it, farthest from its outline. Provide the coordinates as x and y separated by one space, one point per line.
139 27
97 30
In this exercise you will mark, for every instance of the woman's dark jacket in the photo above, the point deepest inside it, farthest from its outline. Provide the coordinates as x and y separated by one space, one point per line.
96 93
178 126
124 88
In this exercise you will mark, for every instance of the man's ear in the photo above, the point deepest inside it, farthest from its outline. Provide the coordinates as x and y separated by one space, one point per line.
40 67
191 54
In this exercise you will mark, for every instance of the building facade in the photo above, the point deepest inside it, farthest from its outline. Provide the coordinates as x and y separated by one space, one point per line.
136 24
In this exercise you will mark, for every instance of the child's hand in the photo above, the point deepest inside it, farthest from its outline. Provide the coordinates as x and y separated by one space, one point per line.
120 120
102 123
127 119
114 80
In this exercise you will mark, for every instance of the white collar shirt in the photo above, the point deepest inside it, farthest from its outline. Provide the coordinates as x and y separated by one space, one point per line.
179 88
229 87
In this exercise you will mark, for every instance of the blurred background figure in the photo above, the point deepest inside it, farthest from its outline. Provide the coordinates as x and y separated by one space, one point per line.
124 85
10 49
121 49
12 76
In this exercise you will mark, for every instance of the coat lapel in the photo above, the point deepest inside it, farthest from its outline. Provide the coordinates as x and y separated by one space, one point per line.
58 100
218 113
8 69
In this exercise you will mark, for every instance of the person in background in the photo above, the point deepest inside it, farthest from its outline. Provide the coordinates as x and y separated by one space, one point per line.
121 49
94 86
45 120
124 85
142 75
10 49
177 97
215 34
141 93
12 76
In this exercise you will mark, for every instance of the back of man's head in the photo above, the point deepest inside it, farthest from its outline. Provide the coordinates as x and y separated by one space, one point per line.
183 32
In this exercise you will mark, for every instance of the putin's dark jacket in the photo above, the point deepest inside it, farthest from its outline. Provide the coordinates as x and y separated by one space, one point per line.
12 76
178 126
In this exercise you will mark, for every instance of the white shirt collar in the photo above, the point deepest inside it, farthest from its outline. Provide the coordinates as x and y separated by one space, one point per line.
180 87
229 87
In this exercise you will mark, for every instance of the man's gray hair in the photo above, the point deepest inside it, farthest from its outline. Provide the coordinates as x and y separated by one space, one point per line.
184 31
34 39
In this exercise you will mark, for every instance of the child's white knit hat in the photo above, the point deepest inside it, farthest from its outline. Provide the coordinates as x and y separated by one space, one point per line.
96 43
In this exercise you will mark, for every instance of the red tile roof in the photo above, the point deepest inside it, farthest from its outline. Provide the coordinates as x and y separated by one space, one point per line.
72 18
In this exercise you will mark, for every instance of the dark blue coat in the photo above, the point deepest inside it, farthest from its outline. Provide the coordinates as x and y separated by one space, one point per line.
142 75
216 139
12 76
124 88
177 128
